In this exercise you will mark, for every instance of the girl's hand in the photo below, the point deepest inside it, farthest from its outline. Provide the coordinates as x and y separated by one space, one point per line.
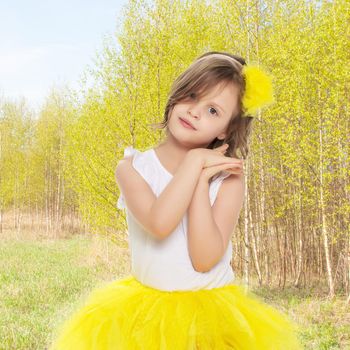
213 157
209 172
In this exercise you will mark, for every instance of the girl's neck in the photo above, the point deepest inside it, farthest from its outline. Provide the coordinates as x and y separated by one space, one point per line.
170 155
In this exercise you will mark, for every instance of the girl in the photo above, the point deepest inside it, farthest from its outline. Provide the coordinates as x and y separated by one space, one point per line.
183 200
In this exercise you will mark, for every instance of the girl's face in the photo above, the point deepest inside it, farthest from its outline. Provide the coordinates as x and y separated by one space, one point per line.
209 116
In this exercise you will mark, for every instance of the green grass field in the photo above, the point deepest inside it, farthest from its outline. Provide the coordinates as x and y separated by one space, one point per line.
43 281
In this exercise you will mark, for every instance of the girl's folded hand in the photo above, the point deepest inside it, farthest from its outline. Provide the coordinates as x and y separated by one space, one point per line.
216 157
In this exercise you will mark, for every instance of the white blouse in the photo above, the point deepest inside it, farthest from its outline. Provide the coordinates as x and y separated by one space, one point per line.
165 264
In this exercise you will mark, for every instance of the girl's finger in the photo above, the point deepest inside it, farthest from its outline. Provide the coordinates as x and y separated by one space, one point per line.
224 145
234 162
233 166
222 148
228 162
228 167
235 169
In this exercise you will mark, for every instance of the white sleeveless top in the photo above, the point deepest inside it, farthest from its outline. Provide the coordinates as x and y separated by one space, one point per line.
165 264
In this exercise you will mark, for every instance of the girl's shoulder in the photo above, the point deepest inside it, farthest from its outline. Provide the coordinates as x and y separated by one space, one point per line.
129 152
135 158
127 160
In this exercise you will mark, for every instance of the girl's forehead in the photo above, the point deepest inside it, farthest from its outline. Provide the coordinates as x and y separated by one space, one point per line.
219 89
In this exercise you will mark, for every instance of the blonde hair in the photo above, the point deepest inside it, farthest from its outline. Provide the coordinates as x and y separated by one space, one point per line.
206 72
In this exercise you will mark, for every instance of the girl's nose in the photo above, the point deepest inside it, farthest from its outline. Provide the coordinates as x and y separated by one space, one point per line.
193 112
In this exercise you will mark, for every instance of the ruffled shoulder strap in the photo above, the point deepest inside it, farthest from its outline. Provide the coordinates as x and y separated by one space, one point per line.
139 164
130 151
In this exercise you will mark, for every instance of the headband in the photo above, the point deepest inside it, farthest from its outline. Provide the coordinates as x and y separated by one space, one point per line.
258 86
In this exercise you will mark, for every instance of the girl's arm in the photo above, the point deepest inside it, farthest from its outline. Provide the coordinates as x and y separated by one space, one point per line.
210 228
159 215
172 204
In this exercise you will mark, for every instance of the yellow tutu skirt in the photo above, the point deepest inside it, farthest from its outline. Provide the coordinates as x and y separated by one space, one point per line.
127 315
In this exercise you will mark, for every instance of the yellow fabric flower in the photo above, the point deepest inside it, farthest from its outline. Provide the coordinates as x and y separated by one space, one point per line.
258 89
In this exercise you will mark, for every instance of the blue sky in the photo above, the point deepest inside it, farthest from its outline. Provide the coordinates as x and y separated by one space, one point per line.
50 43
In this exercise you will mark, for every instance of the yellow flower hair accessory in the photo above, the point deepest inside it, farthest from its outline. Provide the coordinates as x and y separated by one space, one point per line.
258 92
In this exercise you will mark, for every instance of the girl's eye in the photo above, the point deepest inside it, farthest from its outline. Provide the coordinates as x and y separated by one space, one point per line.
213 109
193 96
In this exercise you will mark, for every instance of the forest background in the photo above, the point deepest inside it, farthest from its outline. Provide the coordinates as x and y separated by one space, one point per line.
57 165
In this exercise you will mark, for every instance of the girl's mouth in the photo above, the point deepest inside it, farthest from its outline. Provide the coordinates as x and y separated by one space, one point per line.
186 125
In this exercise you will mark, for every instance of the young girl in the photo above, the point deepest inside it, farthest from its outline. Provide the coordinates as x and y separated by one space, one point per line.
183 199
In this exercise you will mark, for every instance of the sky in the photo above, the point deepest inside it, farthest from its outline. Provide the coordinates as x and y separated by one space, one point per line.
45 43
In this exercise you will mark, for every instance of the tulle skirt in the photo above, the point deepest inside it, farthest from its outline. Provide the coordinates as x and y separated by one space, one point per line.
125 314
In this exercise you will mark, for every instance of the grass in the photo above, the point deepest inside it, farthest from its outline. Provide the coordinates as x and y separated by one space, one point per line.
43 281
325 323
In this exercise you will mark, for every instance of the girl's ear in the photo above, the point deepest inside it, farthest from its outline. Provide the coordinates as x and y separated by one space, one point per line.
221 137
